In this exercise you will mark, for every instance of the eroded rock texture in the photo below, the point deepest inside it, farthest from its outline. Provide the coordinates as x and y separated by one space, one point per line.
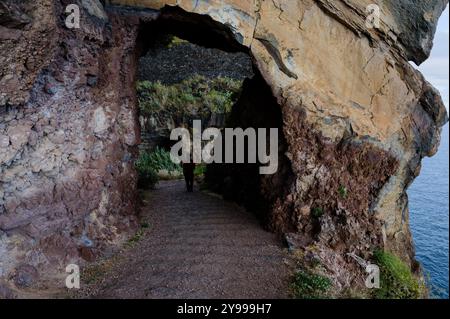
356 116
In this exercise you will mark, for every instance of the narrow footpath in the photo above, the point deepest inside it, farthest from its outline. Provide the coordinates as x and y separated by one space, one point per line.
195 246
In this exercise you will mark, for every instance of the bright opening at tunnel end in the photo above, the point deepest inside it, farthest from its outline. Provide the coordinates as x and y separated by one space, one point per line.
224 158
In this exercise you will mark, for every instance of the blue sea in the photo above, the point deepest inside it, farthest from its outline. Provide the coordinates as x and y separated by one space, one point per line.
429 207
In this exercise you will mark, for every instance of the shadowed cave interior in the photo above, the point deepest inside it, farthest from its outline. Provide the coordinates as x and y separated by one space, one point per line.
192 68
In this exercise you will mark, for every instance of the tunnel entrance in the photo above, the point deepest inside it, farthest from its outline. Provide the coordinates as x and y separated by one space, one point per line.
192 68
199 245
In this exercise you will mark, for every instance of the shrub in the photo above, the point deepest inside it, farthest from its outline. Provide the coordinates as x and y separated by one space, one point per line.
308 285
196 95
160 159
397 280
147 176
317 212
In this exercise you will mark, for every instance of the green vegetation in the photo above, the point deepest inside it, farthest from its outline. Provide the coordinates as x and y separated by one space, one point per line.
147 175
397 281
196 95
178 105
159 160
145 225
317 212
175 41
200 170
308 285
149 164
138 235
343 192
93 273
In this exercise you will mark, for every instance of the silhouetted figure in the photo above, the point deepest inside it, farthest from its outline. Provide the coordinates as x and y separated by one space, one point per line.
188 171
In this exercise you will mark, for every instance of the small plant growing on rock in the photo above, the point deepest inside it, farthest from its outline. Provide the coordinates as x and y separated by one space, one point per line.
343 192
317 212
308 285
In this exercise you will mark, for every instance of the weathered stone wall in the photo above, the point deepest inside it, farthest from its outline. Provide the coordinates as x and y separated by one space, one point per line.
69 131
356 114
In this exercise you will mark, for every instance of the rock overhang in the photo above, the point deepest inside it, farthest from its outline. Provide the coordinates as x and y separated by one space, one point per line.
365 77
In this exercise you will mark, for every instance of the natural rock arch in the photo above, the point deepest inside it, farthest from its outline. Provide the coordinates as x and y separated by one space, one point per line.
355 113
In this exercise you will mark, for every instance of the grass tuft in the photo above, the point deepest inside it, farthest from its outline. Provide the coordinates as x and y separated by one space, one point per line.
308 285
343 192
317 212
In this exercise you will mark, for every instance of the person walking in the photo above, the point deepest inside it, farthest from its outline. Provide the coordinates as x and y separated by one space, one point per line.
188 172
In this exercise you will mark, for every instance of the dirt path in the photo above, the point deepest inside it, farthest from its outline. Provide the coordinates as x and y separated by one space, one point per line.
197 246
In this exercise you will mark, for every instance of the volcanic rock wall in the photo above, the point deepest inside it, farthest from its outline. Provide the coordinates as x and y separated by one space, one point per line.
356 117
69 132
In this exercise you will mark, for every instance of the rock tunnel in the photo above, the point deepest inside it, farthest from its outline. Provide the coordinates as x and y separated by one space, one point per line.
354 116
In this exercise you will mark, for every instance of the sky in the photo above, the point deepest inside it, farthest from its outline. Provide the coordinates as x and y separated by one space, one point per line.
436 68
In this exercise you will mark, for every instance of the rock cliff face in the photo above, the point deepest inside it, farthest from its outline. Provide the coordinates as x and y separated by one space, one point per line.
356 116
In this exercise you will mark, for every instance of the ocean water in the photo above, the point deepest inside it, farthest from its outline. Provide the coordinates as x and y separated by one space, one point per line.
429 209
